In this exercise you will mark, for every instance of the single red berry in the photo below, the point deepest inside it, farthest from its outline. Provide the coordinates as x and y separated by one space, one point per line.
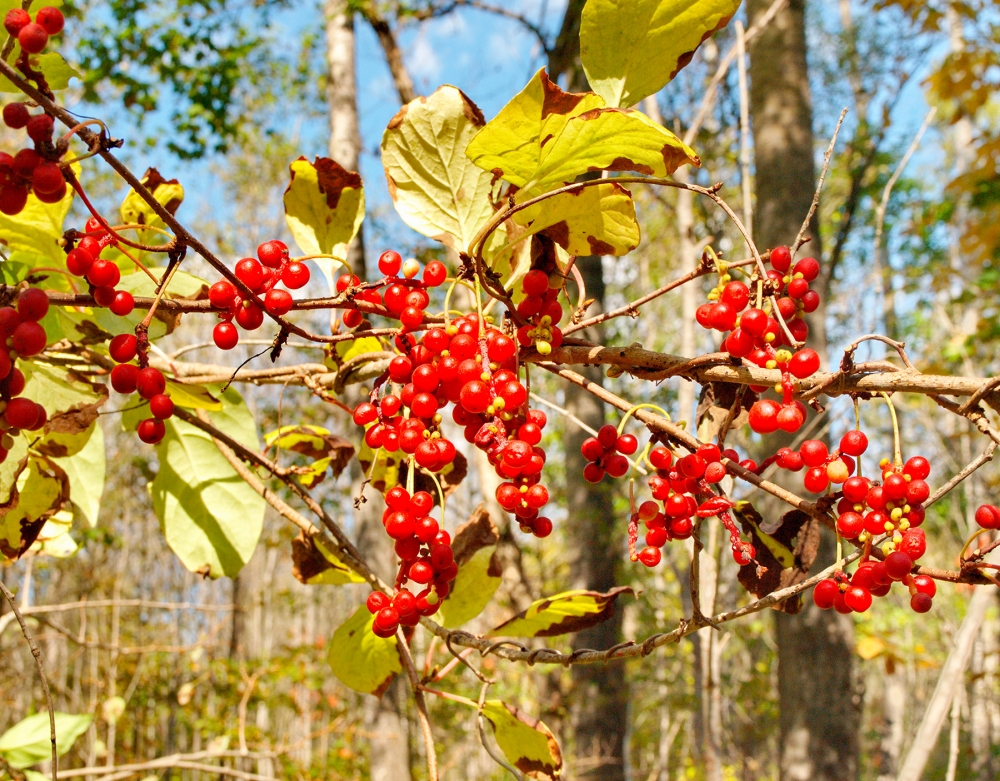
104 296
988 516
814 452
16 20
150 382
272 253
435 273
736 295
104 273
162 406
804 363
816 480
123 348
250 316
48 179
535 283
825 593
151 431
122 304
78 262
389 263
353 318
33 38
898 565
250 273
764 416
854 443
222 294
627 444
295 275
16 115
40 128
858 598
376 602
32 304
124 378
411 317
21 413
278 302
921 603
13 199
917 467
650 556
225 336
51 19
781 259
28 339
808 268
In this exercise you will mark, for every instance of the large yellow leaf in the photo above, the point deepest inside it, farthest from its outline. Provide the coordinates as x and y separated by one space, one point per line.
361 660
324 209
436 189
479 570
526 742
511 144
598 220
561 614
41 491
632 48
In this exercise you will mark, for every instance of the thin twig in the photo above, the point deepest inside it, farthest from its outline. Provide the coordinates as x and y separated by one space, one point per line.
418 696
827 157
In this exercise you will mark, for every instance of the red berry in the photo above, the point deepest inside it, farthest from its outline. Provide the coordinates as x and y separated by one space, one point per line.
387 619
51 19
48 179
435 273
898 565
222 294
13 199
764 416
151 431
535 283
859 599
411 317
21 413
122 304
808 268
804 363
781 259
39 129
150 382
278 302
16 115
850 525
295 275
78 262
917 467
250 273
162 406
225 336
921 602
33 38
854 443
650 556
736 295
376 602
825 593
389 263
104 273
32 304
988 516
104 296
249 316
627 444
28 339
273 253
123 348
816 480
16 20
124 378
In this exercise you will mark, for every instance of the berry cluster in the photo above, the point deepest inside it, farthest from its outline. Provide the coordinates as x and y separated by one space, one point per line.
872 578
756 334
822 467
23 336
128 377
426 559
685 489
34 36
607 453
542 311
404 297
31 170
262 275
102 275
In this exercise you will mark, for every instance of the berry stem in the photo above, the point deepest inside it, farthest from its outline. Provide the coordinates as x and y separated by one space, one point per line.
636 408
437 484
897 453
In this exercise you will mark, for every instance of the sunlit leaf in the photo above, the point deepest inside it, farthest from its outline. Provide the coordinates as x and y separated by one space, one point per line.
526 742
85 470
632 48
29 741
135 211
561 614
479 570
361 660
315 564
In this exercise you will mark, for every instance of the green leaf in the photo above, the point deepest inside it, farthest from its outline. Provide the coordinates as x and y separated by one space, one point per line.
85 470
526 742
51 65
361 660
479 570
210 517
192 396
135 211
632 48
324 209
434 186
314 564
570 611
546 137
29 741
598 220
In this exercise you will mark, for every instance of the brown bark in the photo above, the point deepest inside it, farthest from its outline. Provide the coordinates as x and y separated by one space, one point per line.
819 714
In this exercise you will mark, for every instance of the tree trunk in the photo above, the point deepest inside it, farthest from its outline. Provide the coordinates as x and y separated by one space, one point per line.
820 715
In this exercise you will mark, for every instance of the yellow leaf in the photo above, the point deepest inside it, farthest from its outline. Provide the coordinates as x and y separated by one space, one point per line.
361 660
324 209
135 211
561 614
526 742
870 647
632 48
479 570
314 564
598 220
192 396
434 186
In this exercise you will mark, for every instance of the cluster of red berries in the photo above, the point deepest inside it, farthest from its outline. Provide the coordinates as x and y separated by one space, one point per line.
128 377
31 170
543 312
756 334
262 275
607 453
873 578
822 467
426 559
34 36
103 275
988 516
404 297
22 337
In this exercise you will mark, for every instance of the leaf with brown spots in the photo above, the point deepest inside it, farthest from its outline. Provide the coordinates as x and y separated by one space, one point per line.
632 48
327 451
784 554
40 490
561 614
527 743
313 563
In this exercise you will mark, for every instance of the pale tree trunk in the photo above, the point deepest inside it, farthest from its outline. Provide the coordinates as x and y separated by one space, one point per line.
820 714
385 718
599 699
